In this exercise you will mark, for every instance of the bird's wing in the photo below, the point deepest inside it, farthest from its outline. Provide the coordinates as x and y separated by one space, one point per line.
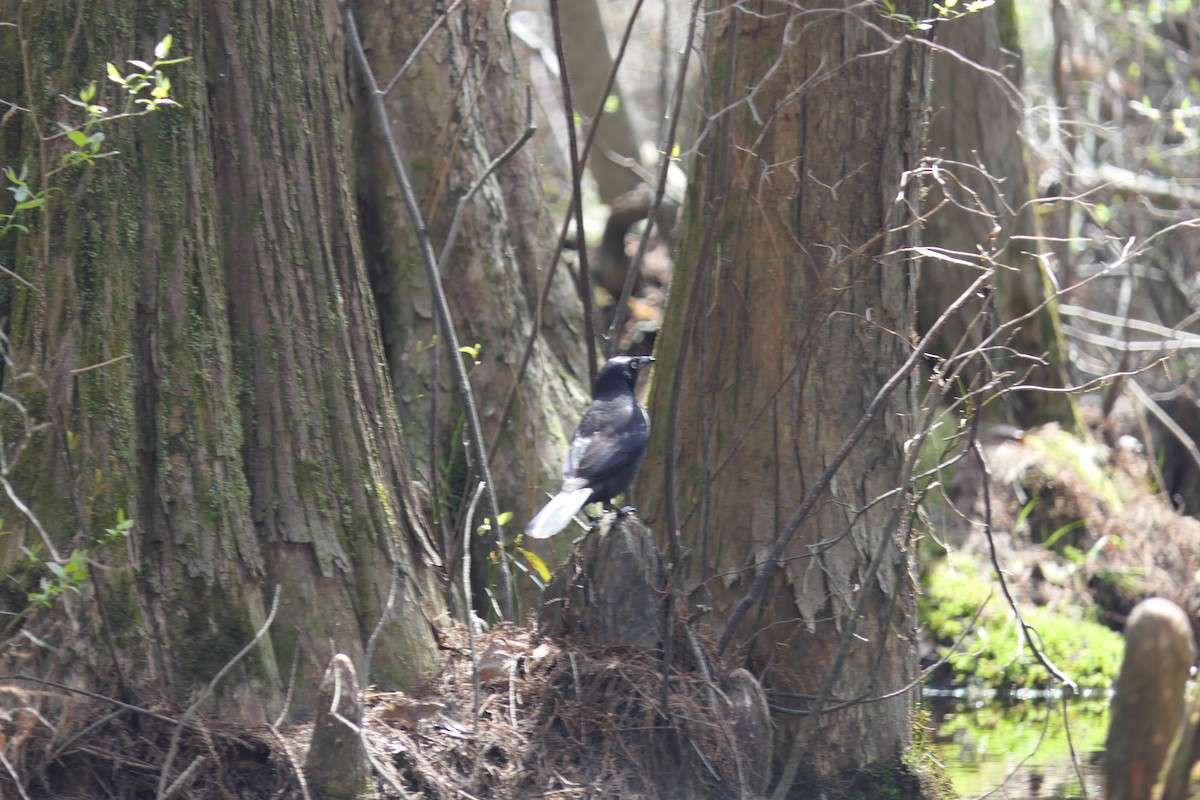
608 437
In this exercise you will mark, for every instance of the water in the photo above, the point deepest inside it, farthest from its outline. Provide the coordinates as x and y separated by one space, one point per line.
1021 751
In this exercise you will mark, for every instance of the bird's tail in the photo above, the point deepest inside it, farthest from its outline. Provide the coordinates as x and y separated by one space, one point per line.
557 514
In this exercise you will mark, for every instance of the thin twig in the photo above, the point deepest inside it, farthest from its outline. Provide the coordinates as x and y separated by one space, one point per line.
1071 747
585 281
441 304
291 687
849 628
297 769
374 638
24 509
664 166
1162 416
562 237
379 770
186 775
408 62
1022 626
93 695
469 611
91 367
700 272
208 690
508 153
13 772
62 748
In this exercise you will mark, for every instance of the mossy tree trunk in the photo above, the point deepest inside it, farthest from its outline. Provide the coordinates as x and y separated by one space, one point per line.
457 108
193 319
792 304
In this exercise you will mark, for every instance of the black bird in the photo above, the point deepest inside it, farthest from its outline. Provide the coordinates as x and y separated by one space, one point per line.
606 450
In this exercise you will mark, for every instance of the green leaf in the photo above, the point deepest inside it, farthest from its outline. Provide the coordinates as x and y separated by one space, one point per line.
28 204
57 569
162 48
538 565
78 138
114 74
504 518
142 65
88 92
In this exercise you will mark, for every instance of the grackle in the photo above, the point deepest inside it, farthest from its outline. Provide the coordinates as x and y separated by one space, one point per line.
606 450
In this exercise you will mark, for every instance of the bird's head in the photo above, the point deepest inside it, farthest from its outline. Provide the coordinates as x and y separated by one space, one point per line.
620 373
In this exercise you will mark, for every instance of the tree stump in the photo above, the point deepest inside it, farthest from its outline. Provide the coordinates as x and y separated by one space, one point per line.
337 762
1148 704
612 588
750 721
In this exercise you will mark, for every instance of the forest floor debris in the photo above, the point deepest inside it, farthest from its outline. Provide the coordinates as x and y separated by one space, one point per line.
551 719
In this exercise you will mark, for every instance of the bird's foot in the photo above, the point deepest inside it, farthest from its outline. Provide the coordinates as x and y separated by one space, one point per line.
625 511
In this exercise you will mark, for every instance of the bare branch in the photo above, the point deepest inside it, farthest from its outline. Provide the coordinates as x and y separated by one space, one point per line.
412 57
161 794
621 309
442 305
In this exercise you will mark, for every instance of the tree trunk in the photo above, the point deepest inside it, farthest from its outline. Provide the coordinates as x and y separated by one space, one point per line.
458 107
790 308
977 121
589 62
199 331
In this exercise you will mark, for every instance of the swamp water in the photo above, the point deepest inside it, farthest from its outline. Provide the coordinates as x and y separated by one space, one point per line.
1022 750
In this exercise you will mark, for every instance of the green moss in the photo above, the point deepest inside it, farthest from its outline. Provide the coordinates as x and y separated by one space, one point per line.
209 639
992 654
913 776
1068 455
120 593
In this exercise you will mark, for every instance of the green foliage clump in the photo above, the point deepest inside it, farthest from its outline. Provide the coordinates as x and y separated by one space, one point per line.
992 653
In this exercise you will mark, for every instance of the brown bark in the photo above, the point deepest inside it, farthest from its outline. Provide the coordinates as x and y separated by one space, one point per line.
245 421
336 763
459 106
610 590
789 309
1148 701
977 122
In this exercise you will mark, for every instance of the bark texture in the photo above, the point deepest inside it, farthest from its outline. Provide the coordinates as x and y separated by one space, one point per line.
459 106
1148 702
242 414
610 590
790 307
336 763
976 126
